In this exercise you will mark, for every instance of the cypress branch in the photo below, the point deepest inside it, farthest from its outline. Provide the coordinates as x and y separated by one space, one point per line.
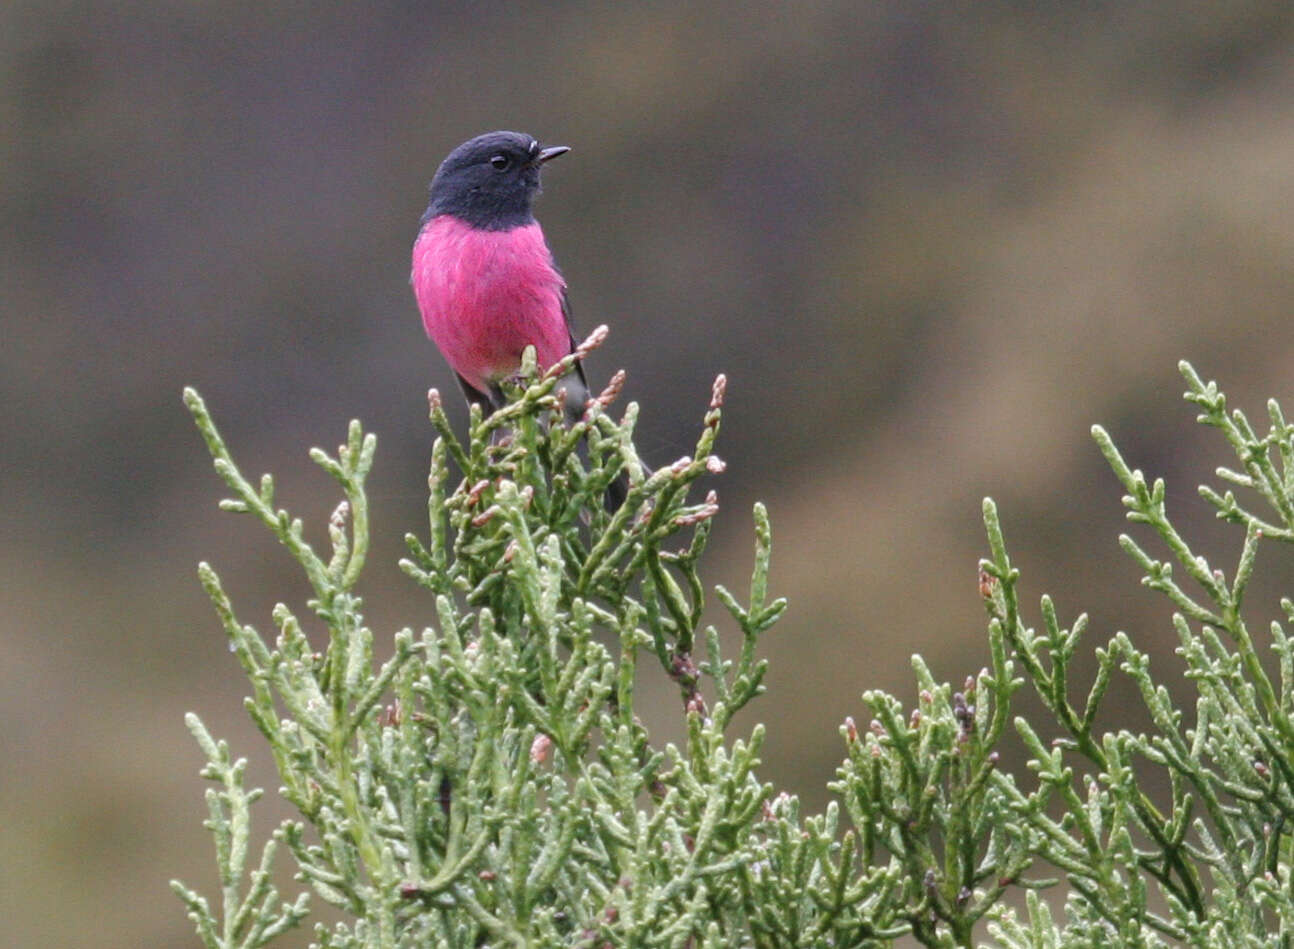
487 781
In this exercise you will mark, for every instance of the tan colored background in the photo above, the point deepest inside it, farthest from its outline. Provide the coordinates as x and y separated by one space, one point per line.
930 244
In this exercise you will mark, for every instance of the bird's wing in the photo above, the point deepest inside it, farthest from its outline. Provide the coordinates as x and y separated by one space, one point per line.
570 331
476 396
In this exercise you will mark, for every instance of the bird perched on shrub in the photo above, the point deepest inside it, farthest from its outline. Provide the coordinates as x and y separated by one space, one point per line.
484 277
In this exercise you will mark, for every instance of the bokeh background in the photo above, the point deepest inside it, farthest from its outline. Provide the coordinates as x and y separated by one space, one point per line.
929 243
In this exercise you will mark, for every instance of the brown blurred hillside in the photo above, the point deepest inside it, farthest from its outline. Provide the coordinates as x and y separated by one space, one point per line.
929 244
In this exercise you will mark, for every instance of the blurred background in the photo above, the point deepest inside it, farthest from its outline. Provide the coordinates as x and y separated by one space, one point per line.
929 243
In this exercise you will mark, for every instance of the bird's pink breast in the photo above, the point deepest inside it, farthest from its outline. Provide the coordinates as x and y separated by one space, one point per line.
486 295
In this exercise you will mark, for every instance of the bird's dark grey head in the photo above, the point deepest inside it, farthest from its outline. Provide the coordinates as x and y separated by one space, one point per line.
490 181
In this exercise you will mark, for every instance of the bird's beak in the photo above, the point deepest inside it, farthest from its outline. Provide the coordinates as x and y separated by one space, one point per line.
551 152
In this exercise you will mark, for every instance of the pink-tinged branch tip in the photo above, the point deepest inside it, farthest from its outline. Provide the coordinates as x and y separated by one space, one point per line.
485 516
433 399
474 493
717 393
567 363
702 513
612 390
594 340
696 703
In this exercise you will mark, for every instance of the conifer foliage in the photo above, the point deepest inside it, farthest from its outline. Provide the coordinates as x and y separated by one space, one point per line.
484 779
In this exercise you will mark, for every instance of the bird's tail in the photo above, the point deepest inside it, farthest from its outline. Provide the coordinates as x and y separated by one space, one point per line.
577 403
617 491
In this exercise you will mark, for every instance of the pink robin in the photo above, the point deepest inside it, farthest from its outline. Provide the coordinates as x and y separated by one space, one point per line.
484 277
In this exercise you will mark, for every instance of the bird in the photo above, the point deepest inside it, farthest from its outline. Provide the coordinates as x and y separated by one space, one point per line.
484 278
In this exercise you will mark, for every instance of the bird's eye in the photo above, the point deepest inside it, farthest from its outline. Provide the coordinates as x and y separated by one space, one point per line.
500 162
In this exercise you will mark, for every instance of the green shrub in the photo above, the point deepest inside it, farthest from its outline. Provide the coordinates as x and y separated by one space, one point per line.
488 783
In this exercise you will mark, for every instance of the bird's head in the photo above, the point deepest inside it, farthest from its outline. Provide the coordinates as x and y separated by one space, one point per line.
491 180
